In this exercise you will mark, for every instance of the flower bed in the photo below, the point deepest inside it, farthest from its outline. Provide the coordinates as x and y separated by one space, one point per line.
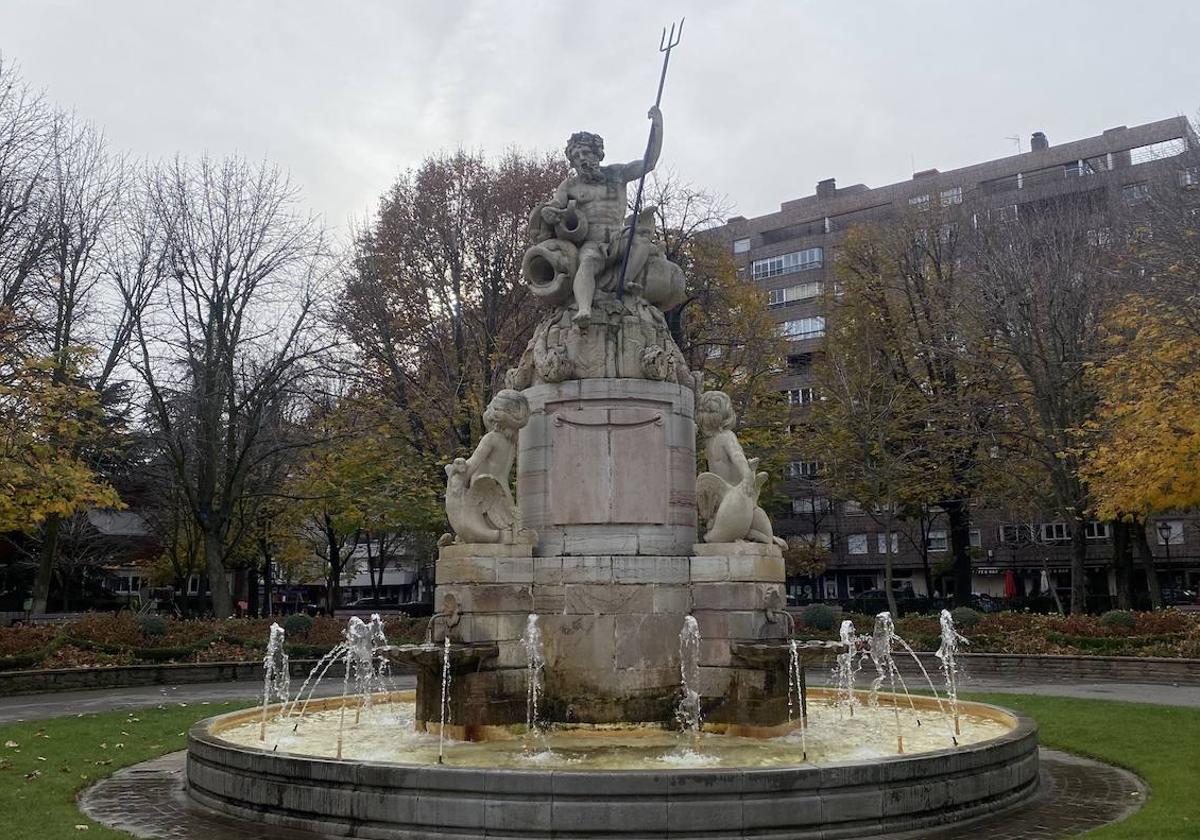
101 639
1167 633
105 639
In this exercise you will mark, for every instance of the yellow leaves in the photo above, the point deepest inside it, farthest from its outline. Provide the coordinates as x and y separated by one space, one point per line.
46 417
1146 437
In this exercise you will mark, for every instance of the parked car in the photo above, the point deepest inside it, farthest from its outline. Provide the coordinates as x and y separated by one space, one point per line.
1178 596
371 602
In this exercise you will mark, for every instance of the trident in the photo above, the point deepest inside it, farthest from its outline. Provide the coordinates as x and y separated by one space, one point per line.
667 43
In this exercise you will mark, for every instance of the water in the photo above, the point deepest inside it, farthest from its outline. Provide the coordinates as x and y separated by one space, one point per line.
796 688
929 682
688 712
444 711
277 677
394 737
848 665
535 666
947 653
366 684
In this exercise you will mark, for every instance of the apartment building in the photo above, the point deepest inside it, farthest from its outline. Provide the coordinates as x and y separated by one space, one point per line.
789 255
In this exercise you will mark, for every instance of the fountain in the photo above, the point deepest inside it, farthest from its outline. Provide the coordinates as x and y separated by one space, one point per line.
611 653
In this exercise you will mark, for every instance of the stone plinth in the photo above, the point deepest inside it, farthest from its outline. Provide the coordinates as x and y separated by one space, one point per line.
608 467
610 625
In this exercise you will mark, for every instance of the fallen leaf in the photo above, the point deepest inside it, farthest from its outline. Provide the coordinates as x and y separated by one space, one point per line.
81 827
12 745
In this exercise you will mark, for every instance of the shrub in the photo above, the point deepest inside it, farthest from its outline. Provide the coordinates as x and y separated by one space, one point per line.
965 617
1118 620
818 617
152 626
297 625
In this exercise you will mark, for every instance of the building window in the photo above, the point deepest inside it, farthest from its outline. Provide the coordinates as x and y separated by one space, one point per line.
975 538
1175 535
1097 237
802 291
921 202
804 469
741 246
1014 534
852 508
951 196
1096 530
1190 178
802 328
856 544
800 362
831 588
811 505
882 540
800 396
821 540
788 263
936 541
1135 193
1054 532
193 585
1008 213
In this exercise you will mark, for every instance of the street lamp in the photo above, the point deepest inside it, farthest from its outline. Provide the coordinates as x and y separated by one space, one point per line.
1164 532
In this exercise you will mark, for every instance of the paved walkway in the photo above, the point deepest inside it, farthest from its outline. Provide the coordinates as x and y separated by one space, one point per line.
1162 695
40 706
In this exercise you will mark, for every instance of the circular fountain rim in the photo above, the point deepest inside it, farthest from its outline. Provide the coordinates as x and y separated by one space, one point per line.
1022 726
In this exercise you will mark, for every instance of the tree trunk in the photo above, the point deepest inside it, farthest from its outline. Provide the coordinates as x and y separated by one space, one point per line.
926 571
45 572
1147 557
888 578
959 517
1123 564
252 588
1078 572
264 548
335 565
214 567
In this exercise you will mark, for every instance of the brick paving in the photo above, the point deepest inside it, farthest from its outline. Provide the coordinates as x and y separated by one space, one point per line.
1077 795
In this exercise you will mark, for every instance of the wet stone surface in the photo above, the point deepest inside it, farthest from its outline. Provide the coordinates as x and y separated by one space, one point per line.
148 801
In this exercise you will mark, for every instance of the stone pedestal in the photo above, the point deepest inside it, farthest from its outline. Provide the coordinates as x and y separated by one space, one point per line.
607 467
610 626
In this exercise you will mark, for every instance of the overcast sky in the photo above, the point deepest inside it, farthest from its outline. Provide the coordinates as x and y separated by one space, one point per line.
763 98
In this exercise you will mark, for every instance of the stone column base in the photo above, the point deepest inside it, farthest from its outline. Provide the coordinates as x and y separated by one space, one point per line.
610 626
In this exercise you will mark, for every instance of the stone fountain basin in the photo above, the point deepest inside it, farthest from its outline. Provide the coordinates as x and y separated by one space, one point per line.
410 801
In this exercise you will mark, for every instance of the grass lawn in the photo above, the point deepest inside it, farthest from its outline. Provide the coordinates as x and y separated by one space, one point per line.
1159 743
55 759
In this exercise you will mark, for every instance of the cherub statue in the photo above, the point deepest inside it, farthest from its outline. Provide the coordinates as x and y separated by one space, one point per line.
479 504
727 495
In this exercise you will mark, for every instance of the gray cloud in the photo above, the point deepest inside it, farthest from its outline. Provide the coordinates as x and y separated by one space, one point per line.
764 98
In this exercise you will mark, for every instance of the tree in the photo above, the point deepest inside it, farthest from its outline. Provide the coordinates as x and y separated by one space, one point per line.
85 188
228 335
870 424
1141 446
42 421
1043 287
904 294
26 125
361 486
434 304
